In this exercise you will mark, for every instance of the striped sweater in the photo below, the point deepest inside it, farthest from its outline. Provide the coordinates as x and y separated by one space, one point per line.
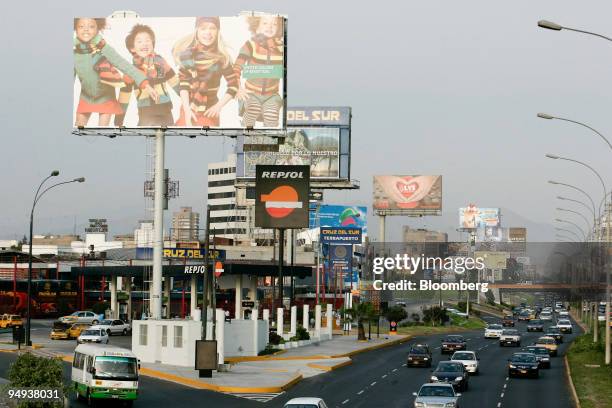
261 51
200 74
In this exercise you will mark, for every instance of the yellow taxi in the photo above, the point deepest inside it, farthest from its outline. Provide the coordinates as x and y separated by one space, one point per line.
76 329
4 319
60 331
14 321
549 343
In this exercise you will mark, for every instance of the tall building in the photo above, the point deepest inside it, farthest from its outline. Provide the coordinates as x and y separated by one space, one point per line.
422 235
185 225
143 235
227 218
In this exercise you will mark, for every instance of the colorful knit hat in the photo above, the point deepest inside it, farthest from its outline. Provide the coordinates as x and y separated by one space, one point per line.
213 20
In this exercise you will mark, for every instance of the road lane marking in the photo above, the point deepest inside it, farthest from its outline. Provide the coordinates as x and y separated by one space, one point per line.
373 384
498 404
403 365
502 395
507 378
395 369
360 392
384 376
505 385
344 402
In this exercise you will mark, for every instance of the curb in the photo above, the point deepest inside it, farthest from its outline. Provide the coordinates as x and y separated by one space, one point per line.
580 322
330 368
219 388
404 339
568 374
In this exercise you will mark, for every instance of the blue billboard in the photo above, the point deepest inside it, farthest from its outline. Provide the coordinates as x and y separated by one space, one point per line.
329 215
340 235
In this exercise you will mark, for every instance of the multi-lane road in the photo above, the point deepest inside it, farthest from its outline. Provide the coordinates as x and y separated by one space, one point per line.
381 379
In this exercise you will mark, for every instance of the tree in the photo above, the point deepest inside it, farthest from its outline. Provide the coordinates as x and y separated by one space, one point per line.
490 297
37 372
360 312
435 315
395 314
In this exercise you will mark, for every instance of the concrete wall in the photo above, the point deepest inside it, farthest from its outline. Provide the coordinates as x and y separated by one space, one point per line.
240 338
172 353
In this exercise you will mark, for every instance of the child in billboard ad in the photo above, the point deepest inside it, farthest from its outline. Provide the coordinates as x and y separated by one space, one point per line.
185 72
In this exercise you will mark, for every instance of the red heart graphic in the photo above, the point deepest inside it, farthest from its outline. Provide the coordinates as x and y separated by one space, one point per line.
407 189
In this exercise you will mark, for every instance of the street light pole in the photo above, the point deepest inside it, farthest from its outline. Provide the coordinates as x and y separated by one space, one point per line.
37 197
577 213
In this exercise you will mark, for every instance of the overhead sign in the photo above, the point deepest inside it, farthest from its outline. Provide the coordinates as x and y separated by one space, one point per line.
474 217
281 196
341 235
185 72
408 195
328 215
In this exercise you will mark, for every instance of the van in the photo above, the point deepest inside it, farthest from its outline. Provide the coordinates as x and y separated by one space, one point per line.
101 371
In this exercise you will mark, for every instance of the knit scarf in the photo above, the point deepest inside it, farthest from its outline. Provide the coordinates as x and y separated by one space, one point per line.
94 46
108 74
149 65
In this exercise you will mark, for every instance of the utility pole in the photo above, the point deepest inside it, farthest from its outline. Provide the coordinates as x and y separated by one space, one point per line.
205 277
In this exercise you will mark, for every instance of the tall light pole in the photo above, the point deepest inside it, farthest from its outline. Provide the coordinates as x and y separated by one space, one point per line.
570 232
558 183
37 197
577 213
557 27
584 236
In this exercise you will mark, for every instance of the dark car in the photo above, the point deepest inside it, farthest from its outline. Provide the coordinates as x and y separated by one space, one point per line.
419 355
523 364
555 333
541 353
452 343
508 321
451 372
535 325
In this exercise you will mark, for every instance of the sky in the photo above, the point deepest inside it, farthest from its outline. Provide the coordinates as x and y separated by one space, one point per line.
436 87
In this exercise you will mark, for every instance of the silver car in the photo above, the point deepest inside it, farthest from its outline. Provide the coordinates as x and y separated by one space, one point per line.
436 395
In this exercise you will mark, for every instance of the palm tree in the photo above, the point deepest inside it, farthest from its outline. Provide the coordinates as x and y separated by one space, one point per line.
360 312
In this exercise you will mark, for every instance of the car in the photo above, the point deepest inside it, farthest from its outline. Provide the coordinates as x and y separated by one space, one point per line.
493 331
60 331
549 343
113 327
524 316
469 359
510 337
419 355
456 312
523 364
403 304
535 325
82 316
436 395
508 321
564 325
14 321
555 333
563 313
541 354
76 329
452 343
93 336
451 372
305 402
546 316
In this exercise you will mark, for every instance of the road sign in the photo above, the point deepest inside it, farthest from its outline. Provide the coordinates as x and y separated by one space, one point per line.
248 303
218 269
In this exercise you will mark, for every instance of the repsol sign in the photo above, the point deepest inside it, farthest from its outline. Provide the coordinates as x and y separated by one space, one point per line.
282 174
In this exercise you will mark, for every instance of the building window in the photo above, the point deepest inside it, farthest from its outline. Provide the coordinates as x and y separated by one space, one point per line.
178 336
221 183
228 194
222 207
143 334
164 336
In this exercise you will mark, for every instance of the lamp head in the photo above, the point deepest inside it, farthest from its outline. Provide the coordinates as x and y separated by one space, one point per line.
80 179
549 25
552 156
55 173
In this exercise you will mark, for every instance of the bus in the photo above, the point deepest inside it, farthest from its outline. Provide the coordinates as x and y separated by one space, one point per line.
101 371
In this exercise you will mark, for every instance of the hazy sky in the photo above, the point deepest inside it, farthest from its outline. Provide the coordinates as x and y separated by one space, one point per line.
436 87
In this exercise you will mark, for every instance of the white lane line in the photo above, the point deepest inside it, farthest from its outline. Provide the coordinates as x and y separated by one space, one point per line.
344 402
438 348
502 395
373 384
360 392
507 378
394 370
498 404
403 365
505 385
384 376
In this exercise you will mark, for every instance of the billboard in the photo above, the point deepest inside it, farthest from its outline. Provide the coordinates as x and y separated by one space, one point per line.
492 234
340 235
493 260
316 136
281 196
318 148
474 217
408 194
328 215
517 234
185 72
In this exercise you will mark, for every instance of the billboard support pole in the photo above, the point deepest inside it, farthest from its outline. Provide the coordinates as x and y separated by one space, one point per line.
158 240
206 278
281 255
381 231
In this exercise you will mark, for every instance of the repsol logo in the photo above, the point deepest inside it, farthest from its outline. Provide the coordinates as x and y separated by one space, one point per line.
282 174
195 269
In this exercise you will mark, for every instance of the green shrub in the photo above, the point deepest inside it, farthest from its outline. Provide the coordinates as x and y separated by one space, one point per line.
39 372
268 350
275 339
302 333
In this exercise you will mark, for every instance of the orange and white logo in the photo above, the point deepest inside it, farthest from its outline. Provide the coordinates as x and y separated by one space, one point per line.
281 201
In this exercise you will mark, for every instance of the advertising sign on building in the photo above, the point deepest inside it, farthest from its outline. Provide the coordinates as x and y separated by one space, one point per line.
408 195
493 260
185 72
340 235
97 225
183 253
328 215
517 234
473 217
281 196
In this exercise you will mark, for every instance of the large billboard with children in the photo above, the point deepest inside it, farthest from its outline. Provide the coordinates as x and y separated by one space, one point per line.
185 72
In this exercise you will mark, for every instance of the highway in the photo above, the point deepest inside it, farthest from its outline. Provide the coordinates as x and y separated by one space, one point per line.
380 379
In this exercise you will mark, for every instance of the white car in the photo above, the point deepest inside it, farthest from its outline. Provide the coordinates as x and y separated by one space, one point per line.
546 316
469 359
563 313
82 316
93 336
305 402
493 331
564 325
113 327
